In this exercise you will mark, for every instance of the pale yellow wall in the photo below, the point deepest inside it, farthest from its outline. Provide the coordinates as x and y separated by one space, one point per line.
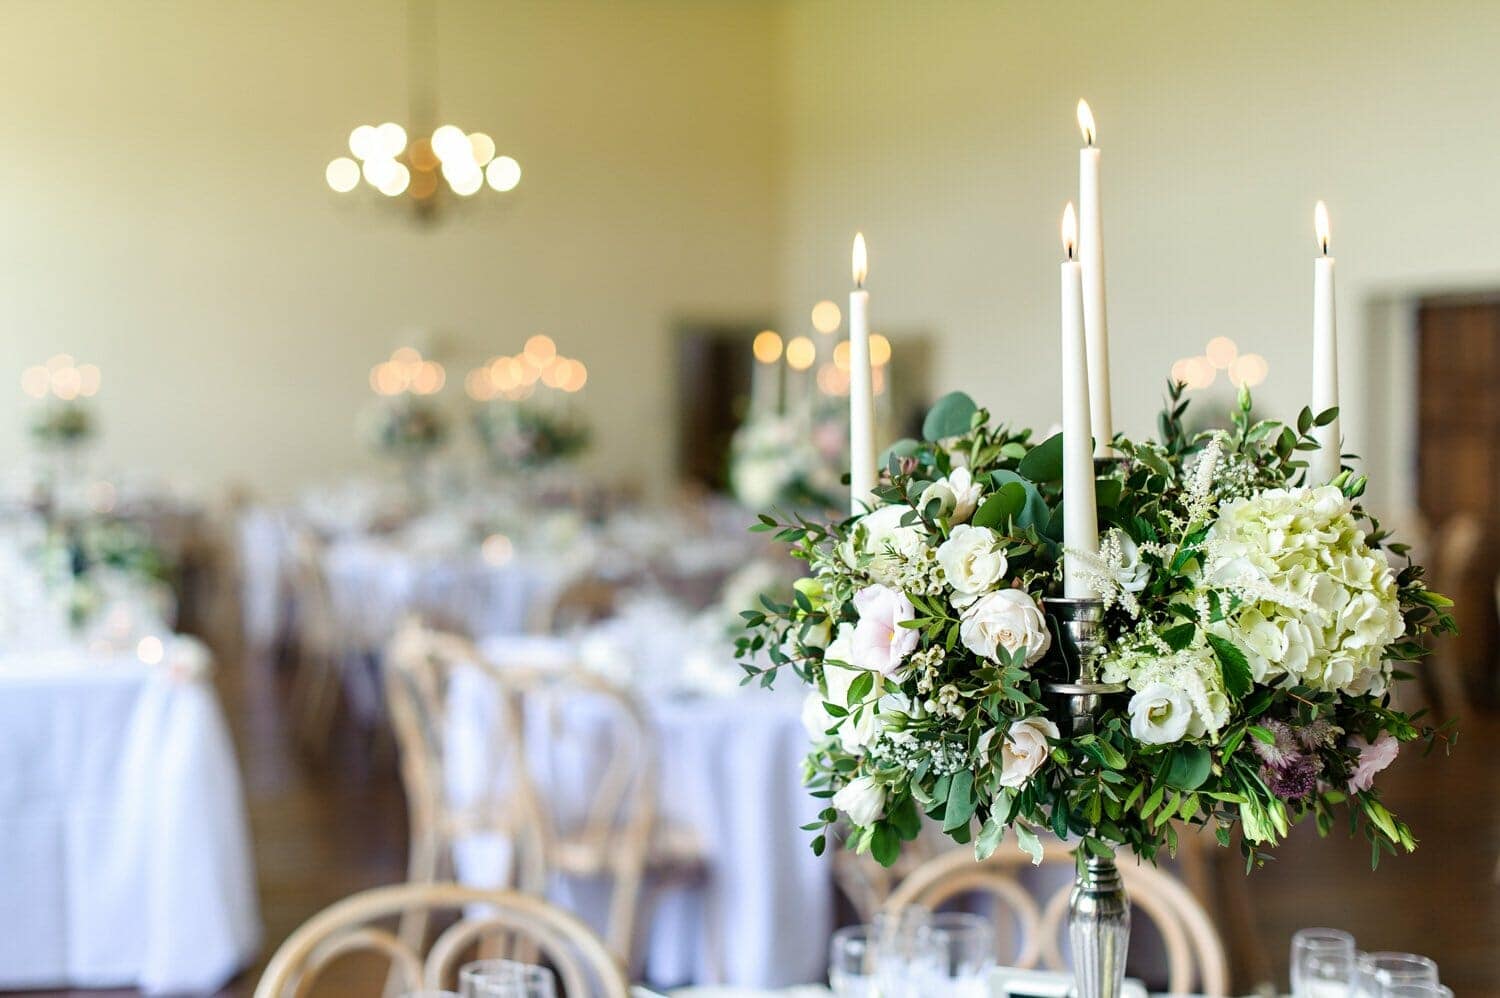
163 212
946 131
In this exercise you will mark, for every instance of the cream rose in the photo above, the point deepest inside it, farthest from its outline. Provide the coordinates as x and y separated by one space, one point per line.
973 559
1160 714
1024 750
1008 619
885 541
862 799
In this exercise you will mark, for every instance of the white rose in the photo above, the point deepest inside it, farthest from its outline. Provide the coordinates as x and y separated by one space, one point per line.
1160 714
1007 619
863 800
1024 750
881 644
973 559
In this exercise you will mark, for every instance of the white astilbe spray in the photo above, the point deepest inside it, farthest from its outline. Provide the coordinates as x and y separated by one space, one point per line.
1105 572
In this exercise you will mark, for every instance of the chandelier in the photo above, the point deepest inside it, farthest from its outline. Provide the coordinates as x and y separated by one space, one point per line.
422 170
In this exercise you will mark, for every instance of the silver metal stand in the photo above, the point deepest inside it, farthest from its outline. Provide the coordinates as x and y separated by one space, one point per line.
1098 909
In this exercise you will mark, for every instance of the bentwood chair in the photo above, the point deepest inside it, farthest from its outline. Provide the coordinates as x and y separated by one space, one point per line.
613 834
500 924
1195 954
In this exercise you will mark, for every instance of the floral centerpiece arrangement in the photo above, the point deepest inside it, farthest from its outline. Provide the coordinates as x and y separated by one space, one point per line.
406 427
523 435
86 561
1256 623
62 425
776 460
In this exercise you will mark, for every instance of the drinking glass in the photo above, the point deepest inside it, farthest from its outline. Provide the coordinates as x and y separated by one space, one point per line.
1377 972
851 962
1414 989
1322 963
960 950
506 979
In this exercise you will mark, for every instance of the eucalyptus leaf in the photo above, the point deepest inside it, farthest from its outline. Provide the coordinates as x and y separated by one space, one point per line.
1189 768
1044 462
951 416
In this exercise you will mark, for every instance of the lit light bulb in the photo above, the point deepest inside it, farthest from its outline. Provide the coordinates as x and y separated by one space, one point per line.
1199 372
450 143
379 172
841 356
342 175
397 183
540 350
1249 369
767 346
482 146
88 380
364 143
826 317
34 381
800 353
390 139
503 173
1221 352
880 350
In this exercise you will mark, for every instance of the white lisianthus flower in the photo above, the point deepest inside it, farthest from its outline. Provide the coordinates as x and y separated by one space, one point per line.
1008 619
1131 572
881 537
880 643
1160 714
815 720
1024 750
841 648
973 559
863 800
966 494
943 494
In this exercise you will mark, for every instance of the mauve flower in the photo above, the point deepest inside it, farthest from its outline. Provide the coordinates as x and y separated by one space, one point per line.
1293 779
1372 759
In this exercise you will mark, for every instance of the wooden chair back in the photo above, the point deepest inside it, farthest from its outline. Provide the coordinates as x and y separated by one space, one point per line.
1195 954
502 923
610 834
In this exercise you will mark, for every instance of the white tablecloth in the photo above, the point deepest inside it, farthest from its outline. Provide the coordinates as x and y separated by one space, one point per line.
124 847
730 771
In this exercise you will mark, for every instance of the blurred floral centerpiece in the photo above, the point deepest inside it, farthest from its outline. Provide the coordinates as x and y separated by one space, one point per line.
525 417
92 562
406 423
774 460
63 420
1255 624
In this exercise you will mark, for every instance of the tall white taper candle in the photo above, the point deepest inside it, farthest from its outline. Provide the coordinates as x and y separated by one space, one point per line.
1091 259
1080 516
1323 463
862 470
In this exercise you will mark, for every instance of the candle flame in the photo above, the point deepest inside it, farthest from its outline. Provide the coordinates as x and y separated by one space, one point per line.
1320 223
1086 122
1070 230
861 260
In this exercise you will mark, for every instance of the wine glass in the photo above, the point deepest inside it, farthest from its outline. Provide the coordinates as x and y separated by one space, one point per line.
851 962
960 950
1322 963
506 979
1379 972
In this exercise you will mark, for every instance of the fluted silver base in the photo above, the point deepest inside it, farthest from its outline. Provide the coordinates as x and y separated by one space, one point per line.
1099 930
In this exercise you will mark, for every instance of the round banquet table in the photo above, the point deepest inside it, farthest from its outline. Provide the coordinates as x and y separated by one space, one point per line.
124 846
730 774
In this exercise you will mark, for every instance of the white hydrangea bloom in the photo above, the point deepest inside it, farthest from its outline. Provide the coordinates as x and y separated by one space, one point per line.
1319 606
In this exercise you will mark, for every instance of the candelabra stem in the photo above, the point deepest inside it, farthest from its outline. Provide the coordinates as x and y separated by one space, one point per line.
1099 929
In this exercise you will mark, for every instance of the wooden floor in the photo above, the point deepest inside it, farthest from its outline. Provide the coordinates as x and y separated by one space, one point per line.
322 831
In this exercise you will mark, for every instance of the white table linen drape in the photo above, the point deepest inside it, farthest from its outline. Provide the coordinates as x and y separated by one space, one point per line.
124 845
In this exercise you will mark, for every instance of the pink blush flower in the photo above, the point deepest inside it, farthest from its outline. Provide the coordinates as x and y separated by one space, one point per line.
1373 758
881 644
